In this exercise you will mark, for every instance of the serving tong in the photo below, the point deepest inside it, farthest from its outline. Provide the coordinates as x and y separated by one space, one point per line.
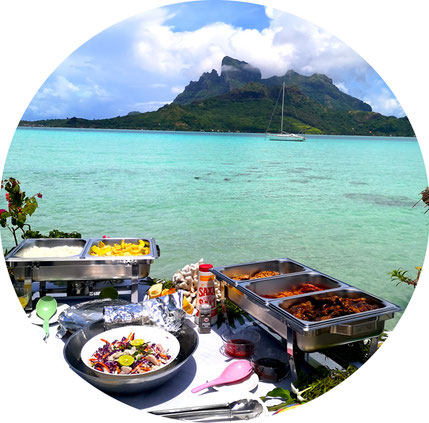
243 409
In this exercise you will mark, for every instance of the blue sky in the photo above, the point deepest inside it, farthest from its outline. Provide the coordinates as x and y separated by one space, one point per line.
144 62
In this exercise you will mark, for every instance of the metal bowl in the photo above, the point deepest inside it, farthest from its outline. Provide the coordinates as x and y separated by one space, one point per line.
187 338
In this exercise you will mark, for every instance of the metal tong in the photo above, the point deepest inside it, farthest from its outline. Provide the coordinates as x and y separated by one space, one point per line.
243 409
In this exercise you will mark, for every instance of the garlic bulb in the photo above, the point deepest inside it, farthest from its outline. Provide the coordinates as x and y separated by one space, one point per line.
187 280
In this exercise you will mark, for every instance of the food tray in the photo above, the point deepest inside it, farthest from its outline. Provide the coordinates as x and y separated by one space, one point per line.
82 266
274 285
187 338
317 335
284 266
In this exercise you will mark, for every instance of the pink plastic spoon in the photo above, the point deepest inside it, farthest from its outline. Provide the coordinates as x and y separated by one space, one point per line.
235 371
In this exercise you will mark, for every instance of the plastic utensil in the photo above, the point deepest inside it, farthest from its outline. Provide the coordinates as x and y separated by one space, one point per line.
45 309
235 371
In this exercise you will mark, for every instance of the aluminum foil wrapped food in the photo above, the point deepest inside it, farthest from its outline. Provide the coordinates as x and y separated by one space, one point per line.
80 315
165 312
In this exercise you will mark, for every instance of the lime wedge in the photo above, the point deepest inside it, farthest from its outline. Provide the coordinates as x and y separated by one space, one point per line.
126 360
109 292
137 342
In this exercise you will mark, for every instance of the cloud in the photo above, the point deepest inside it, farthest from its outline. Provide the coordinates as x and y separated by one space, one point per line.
288 43
149 106
146 59
385 103
177 90
341 87
61 88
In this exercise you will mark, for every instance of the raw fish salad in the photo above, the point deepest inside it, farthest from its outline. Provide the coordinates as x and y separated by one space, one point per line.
129 356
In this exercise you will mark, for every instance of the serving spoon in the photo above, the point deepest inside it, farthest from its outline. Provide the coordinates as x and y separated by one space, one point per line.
45 309
235 371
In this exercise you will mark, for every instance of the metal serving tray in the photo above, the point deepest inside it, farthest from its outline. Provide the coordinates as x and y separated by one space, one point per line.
318 335
13 257
82 266
276 284
284 266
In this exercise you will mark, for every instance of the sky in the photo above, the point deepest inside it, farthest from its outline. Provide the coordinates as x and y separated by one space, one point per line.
144 62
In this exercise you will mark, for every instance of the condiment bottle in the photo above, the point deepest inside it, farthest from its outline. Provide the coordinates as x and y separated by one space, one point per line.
206 291
204 325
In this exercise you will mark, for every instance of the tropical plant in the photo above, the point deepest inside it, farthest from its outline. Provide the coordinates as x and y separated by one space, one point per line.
400 276
19 208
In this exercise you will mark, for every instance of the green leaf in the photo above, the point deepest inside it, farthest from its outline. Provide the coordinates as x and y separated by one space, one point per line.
168 285
279 393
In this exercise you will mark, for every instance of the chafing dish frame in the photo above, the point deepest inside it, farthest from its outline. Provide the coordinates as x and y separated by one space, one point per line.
81 267
300 337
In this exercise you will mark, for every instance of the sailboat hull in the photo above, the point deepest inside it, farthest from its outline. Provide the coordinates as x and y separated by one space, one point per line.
285 137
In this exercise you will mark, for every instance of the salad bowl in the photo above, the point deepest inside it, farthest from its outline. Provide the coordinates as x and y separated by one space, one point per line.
151 335
132 384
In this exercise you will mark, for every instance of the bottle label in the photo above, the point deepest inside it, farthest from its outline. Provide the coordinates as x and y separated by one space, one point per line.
206 293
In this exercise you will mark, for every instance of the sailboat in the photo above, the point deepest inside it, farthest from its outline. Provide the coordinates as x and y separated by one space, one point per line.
283 136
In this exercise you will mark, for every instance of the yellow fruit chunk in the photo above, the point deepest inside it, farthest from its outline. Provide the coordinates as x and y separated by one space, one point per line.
122 249
155 290
187 306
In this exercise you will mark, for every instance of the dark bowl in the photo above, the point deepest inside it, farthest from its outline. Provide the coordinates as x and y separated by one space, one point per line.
187 338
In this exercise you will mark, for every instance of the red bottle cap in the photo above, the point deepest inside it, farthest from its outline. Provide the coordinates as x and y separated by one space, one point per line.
205 267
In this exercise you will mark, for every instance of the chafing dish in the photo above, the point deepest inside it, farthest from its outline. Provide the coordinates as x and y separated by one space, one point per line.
303 336
283 266
318 335
82 267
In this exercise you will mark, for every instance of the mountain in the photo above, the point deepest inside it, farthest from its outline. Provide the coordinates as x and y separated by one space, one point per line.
239 100
236 74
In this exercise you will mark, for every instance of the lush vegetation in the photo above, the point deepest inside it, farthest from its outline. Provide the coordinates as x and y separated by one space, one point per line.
248 109
239 100
19 208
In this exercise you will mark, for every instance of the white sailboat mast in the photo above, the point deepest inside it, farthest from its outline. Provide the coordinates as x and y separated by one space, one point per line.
283 106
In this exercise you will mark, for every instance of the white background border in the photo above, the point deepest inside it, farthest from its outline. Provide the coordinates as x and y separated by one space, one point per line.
36 36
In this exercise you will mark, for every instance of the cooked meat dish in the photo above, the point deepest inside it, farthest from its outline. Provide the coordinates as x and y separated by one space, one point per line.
263 274
305 288
328 307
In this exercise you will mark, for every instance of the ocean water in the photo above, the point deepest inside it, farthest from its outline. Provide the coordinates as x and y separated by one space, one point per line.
341 205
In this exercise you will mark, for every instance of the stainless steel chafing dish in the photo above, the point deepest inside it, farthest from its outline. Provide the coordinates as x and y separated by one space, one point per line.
83 266
303 336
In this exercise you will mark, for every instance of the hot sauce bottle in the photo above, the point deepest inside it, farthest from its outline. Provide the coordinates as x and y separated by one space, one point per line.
206 291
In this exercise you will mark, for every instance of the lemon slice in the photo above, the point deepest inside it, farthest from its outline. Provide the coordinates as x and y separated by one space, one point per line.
187 306
126 360
155 290
137 342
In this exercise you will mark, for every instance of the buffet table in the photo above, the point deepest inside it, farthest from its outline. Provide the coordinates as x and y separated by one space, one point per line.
297 310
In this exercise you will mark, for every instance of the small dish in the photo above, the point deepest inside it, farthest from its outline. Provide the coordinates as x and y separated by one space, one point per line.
241 343
270 364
